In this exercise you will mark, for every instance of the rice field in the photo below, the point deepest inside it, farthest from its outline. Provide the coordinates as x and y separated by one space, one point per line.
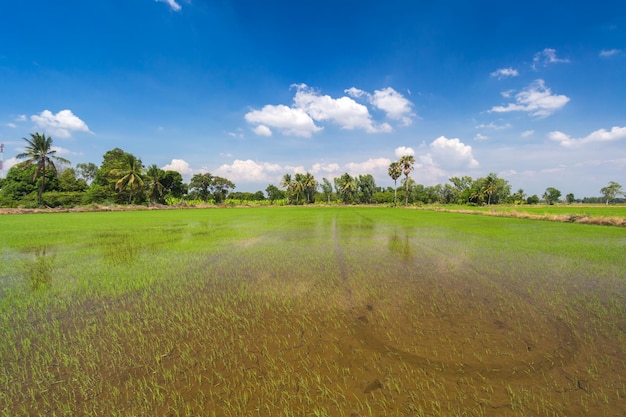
304 311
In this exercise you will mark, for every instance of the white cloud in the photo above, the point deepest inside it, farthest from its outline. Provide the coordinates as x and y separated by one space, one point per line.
527 133
21 118
605 53
371 166
537 99
493 126
172 3
331 168
179 165
452 153
504 73
290 121
403 150
12 125
394 104
249 171
601 135
480 136
61 124
343 111
262 130
547 56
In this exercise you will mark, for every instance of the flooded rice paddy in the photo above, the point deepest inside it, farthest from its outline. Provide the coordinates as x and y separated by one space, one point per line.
310 312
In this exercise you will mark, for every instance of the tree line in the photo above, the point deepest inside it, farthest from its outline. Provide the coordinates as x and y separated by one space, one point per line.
46 179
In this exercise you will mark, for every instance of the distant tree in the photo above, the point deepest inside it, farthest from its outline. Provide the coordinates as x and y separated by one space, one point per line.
611 191
286 182
86 171
395 171
221 187
39 153
407 162
366 188
551 195
346 187
490 186
201 185
156 190
173 185
129 176
533 199
274 193
519 197
67 181
462 189
327 189
104 188
309 187
570 198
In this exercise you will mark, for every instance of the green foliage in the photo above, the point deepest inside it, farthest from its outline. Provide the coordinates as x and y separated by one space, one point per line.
551 195
611 191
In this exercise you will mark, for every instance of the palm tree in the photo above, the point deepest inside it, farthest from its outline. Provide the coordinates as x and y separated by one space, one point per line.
155 188
490 186
286 183
394 171
310 185
406 162
39 152
129 176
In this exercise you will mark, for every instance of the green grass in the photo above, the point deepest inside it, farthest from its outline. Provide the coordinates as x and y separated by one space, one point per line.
310 311
613 210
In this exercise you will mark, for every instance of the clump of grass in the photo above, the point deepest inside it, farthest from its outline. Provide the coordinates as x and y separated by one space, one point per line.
38 270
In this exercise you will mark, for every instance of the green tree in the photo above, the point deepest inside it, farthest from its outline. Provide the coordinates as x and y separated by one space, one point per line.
129 177
156 190
395 171
533 199
407 162
551 195
39 152
611 191
327 189
69 183
201 185
220 188
173 185
274 193
309 186
346 187
86 171
366 188
490 186
570 198
286 182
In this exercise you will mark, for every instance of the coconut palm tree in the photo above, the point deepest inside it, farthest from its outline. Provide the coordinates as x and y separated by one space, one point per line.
490 186
395 171
40 153
129 176
287 184
407 162
154 175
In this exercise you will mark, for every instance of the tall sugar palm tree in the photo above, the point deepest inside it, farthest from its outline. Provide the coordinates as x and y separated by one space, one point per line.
40 153
395 171
129 176
287 183
407 162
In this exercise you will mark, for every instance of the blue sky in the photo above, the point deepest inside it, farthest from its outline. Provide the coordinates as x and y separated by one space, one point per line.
534 91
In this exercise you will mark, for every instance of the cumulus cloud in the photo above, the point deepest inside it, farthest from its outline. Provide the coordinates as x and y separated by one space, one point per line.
536 99
249 171
310 106
504 73
480 136
394 104
325 169
371 166
172 3
342 111
601 135
452 153
290 121
61 124
547 56
403 150
179 165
